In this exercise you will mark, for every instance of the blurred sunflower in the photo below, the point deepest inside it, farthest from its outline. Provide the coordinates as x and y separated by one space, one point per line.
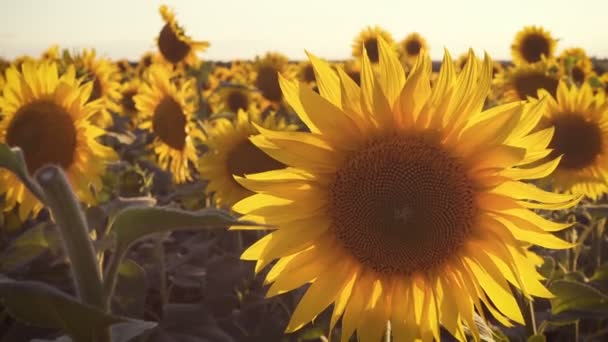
106 84
174 45
368 40
166 109
531 43
145 62
51 54
267 71
47 116
575 64
306 73
404 203
353 69
126 69
128 90
580 121
522 81
411 47
230 152
232 98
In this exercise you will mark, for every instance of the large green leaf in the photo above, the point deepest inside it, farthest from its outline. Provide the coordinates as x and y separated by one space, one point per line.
44 306
24 248
576 296
12 159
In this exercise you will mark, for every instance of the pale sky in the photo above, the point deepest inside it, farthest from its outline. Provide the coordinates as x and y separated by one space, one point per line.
245 28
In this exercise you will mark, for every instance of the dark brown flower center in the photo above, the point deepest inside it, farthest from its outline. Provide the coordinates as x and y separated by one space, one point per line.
236 100
169 123
308 74
173 49
412 47
371 45
245 159
356 76
267 82
533 46
578 75
97 91
127 101
402 204
528 84
577 139
45 133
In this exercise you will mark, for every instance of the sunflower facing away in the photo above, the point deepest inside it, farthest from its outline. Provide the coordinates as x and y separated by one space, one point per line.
230 152
531 43
405 203
47 116
581 138
166 110
174 45
411 46
367 40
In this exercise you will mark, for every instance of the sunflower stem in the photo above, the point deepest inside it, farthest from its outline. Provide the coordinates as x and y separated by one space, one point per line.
532 316
387 332
72 226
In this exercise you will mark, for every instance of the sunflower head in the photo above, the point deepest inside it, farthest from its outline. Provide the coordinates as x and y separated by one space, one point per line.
531 44
523 81
405 202
412 46
174 45
52 53
575 65
47 115
306 73
580 121
267 69
230 152
367 40
166 109
233 98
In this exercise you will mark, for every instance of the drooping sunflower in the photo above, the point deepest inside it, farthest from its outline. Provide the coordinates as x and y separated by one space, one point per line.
531 43
580 120
230 152
574 64
522 81
404 204
166 109
267 69
411 46
106 84
173 43
47 116
368 40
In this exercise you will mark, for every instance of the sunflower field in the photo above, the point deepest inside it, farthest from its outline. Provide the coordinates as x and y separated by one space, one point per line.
386 197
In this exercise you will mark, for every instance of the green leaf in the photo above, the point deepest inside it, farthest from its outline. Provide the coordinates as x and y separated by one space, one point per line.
25 248
548 267
537 338
12 160
125 331
44 306
130 294
572 295
601 273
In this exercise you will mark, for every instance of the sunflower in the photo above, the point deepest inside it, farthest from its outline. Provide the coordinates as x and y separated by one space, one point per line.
174 45
232 98
47 116
353 69
531 43
411 46
128 90
166 109
574 64
145 61
126 69
405 203
522 81
306 73
106 84
368 40
231 153
267 70
51 54
580 120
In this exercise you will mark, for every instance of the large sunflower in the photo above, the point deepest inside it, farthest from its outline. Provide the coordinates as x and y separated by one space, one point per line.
173 43
106 84
411 47
405 203
166 109
368 40
522 81
231 153
47 116
531 43
581 138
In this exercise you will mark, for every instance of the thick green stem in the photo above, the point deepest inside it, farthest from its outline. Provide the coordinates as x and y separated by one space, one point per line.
71 223
110 277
